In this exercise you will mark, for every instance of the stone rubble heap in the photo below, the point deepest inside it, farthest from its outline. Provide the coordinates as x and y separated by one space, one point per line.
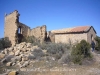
19 54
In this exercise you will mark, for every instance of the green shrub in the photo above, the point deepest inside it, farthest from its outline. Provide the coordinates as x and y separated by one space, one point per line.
30 39
66 58
55 50
80 51
4 43
97 47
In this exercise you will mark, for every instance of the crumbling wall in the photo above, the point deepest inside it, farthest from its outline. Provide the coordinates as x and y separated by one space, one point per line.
39 33
22 32
50 37
16 30
25 30
12 27
11 23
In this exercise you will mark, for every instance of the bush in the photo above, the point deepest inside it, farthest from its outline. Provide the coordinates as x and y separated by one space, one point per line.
80 51
4 43
30 39
97 47
55 50
37 54
66 58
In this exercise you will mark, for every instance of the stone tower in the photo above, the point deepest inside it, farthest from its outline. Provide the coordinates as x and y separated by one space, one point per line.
11 26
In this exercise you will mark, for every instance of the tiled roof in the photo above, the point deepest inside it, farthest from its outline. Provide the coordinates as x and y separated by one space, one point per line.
80 29
73 30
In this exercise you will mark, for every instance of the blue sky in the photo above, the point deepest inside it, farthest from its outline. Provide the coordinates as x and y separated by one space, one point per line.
55 14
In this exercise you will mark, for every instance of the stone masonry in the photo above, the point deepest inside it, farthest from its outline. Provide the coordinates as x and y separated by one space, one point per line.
74 35
15 31
11 26
39 32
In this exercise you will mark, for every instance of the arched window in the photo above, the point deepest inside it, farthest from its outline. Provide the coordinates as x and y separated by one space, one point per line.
19 30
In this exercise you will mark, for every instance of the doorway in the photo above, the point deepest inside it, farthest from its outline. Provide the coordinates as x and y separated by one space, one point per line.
19 34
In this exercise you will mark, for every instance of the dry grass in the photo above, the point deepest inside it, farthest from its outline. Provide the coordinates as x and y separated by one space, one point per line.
72 70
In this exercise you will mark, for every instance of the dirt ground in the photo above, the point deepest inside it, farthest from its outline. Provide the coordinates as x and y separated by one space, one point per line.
92 69
40 69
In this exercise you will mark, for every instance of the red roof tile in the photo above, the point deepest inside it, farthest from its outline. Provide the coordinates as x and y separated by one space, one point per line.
73 30
80 29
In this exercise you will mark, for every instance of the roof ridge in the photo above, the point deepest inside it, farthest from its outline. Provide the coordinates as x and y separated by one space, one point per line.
72 29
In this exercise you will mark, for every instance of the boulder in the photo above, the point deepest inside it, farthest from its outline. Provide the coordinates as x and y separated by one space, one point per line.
26 53
7 59
23 43
22 49
17 58
9 64
11 53
13 60
25 64
6 52
28 49
20 46
11 48
29 45
24 58
23 69
4 60
22 55
22 62
13 64
15 48
2 55
13 73
17 52
19 64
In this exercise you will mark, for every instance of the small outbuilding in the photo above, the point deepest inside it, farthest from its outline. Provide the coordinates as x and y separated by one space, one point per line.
74 35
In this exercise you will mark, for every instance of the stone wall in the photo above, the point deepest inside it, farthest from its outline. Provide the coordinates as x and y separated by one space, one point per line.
39 32
25 30
10 29
91 35
76 37
50 36
70 38
16 30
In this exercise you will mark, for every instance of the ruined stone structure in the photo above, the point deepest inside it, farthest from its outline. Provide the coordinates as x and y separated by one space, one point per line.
15 31
74 35
39 33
